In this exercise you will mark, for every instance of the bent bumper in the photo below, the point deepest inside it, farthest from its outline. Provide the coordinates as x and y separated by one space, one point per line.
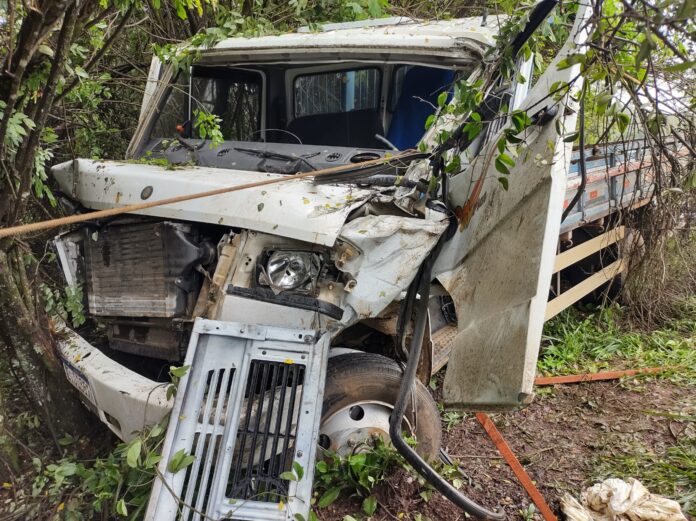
124 400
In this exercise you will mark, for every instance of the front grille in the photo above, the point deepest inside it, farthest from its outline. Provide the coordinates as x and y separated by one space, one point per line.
265 440
140 270
267 432
207 443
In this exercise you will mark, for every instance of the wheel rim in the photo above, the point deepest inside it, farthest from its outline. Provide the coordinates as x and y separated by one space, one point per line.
355 428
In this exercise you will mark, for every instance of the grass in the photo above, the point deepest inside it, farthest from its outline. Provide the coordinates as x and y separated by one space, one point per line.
579 342
672 474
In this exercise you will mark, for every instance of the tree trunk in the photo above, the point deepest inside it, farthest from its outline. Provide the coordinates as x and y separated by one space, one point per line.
32 348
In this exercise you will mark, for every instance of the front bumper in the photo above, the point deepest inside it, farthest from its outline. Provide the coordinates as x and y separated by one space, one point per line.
124 400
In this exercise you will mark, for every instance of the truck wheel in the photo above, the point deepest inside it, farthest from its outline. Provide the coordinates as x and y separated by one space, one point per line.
361 389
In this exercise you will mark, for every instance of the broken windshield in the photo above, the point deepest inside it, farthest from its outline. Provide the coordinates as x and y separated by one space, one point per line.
234 95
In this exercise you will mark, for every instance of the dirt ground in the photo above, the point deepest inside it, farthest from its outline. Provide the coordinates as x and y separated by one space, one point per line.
561 439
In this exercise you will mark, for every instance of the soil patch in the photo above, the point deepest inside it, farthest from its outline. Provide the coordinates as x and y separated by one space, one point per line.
560 439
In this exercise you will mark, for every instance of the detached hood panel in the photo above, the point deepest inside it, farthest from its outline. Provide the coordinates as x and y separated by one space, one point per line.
295 209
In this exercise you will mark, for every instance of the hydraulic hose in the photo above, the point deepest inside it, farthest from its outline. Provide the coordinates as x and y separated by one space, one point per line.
420 289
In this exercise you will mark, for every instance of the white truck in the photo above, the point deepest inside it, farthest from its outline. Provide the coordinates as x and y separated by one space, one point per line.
310 312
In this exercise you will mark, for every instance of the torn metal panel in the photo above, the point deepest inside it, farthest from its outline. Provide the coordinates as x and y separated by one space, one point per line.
390 250
498 267
296 209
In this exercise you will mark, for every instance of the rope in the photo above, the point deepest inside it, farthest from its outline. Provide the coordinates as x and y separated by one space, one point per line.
111 212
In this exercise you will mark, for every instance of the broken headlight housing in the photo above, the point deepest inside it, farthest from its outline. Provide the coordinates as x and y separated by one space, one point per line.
290 270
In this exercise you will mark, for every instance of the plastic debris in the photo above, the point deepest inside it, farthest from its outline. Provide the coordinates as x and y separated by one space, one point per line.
619 500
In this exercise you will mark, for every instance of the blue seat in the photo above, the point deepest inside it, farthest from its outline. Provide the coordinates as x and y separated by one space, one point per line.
419 91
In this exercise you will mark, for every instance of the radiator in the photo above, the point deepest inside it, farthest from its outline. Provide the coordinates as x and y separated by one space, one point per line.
141 270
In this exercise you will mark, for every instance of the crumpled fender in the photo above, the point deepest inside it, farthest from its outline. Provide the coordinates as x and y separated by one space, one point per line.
390 248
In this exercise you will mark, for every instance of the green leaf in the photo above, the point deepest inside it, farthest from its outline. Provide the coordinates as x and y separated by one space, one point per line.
374 7
288 475
369 505
180 9
45 49
121 508
454 165
299 471
687 10
133 454
152 460
156 430
646 46
322 467
429 121
571 137
507 160
329 497
179 371
180 461
501 167
502 142
680 67
503 181
570 60
472 129
442 99
520 121
623 120
604 98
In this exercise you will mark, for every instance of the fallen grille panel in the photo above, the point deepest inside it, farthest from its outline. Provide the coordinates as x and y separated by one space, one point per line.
247 410
207 441
267 432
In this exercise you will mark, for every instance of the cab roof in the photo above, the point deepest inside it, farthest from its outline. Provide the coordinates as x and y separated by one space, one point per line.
448 41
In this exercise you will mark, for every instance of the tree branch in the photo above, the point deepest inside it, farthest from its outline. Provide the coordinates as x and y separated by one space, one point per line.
98 56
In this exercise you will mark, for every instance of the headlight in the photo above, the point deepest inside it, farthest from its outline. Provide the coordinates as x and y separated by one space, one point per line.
291 269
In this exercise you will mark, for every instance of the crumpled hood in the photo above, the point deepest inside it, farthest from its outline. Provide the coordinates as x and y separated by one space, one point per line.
296 209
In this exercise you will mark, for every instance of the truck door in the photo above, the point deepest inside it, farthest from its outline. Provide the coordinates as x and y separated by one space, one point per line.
498 266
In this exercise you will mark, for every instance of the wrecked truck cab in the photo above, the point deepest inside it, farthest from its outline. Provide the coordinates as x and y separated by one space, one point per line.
287 104
287 296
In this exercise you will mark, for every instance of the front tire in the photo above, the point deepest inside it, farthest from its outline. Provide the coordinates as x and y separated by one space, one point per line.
361 389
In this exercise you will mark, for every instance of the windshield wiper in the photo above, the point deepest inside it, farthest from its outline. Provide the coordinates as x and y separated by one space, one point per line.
265 154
